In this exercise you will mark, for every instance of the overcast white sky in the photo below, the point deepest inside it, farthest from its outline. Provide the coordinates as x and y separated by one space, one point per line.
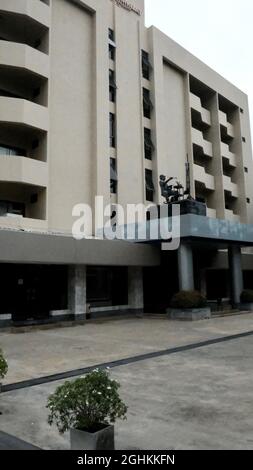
219 32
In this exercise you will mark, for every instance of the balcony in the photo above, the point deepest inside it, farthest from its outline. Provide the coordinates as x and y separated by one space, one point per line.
212 213
18 169
230 187
21 56
196 105
35 10
229 156
205 145
22 205
226 124
203 178
230 215
24 113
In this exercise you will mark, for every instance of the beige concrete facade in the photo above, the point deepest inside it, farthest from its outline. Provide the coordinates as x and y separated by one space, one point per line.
55 108
93 103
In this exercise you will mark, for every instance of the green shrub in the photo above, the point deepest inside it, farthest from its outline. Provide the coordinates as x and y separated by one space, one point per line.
247 297
3 366
86 403
188 299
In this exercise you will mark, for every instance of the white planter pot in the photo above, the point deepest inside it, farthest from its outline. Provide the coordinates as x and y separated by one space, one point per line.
189 314
100 440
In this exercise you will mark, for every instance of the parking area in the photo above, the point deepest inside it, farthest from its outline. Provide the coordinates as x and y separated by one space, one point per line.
192 399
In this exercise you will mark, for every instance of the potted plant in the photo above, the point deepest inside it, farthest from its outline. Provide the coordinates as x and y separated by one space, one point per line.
247 300
189 305
88 407
3 367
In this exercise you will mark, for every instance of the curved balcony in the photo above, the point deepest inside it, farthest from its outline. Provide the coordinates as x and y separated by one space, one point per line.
23 170
21 56
35 10
23 113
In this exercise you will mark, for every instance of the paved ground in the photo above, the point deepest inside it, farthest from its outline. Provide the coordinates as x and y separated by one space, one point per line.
199 399
40 353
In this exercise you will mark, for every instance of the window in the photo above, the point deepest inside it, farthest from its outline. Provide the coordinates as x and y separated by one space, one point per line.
241 111
112 44
9 151
111 34
34 198
112 130
15 208
146 66
248 200
36 93
113 176
243 139
111 52
35 144
112 86
147 103
150 189
246 170
148 144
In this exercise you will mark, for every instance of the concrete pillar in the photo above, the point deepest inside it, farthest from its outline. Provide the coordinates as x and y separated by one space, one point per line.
135 288
77 291
235 273
185 267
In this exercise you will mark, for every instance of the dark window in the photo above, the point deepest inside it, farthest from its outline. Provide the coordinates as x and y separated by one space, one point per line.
107 286
111 34
113 176
147 103
112 86
36 93
34 198
148 144
248 200
241 111
11 151
146 66
243 139
35 144
246 169
112 44
111 52
37 44
7 207
114 219
112 130
150 189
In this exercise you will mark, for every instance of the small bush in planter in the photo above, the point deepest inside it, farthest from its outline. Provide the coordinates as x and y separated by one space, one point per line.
87 404
247 297
188 299
3 366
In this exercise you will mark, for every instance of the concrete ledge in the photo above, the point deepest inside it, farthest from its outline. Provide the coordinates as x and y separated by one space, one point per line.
113 313
247 307
5 320
189 314
59 313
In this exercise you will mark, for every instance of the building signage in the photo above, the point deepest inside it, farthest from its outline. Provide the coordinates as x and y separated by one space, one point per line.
128 6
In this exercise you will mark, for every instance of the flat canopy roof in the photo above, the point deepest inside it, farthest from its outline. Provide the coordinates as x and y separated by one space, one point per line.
201 228
27 247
